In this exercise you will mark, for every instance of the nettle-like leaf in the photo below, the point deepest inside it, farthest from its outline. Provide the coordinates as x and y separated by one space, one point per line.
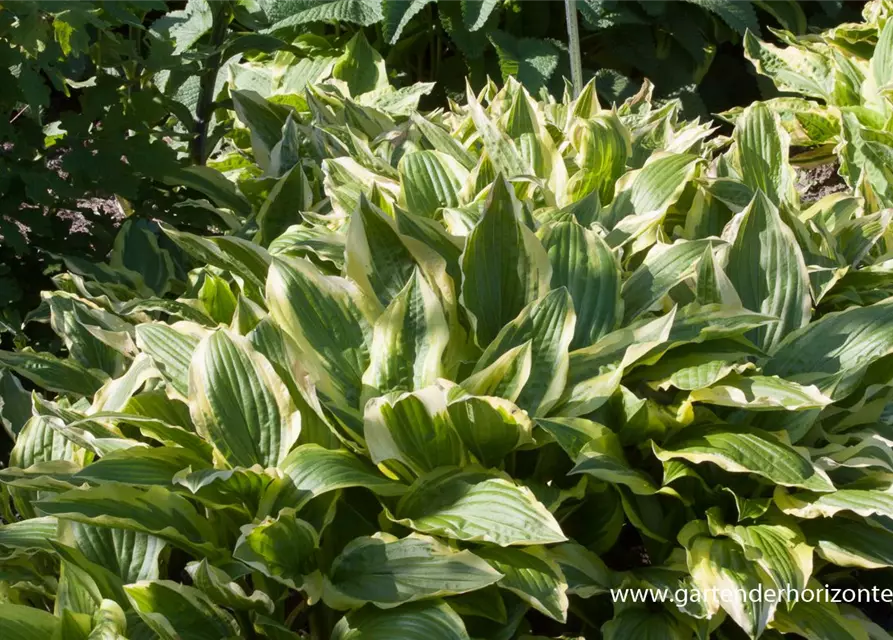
444 369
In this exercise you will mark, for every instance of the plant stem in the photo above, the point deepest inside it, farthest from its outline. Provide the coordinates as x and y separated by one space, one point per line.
573 46
204 111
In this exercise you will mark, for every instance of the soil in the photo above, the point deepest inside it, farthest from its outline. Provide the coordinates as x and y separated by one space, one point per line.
815 183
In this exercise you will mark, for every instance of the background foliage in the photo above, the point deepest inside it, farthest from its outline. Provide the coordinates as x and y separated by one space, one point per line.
350 368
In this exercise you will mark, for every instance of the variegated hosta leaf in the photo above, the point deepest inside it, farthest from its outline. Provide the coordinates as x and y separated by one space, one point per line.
490 427
589 270
663 267
504 266
310 471
720 566
389 572
548 324
408 340
326 318
430 619
239 403
281 548
834 351
476 505
431 180
603 146
767 268
779 549
761 392
745 450
173 610
762 153
793 69
533 576
442 367
415 429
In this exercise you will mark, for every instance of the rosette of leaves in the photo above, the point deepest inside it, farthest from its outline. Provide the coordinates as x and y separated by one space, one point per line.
835 101
459 396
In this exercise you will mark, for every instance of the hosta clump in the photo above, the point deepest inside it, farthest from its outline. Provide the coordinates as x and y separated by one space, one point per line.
836 97
504 360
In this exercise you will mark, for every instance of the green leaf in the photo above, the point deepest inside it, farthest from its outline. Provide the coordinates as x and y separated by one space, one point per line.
239 403
442 141
531 60
130 555
584 571
740 16
664 267
761 393
136 249
762 150
32 534
376 255
506 376
282 548
863 502
187 27
848 542
584 264
767 268
408 340
603 147
571 434
175 611
475 506
311 470
51 373
602 457
818 620
170 350
497 285
219 586
640 622
18 622
430 180
360 66
389 572
265 122
397 14
720 566
490 428
289 196
655 188
292 14
213 184
795 70
501 150
713 285
548 324
140 466
236 255
533 576
413 428
780 550
217 298
834 351
745 450
326 318
432 620
155 511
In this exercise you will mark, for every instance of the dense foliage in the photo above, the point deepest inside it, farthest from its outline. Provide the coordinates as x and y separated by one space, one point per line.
459 375
107 101
836 104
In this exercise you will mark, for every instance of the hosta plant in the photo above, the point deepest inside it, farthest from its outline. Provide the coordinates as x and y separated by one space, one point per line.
836 101
461 375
